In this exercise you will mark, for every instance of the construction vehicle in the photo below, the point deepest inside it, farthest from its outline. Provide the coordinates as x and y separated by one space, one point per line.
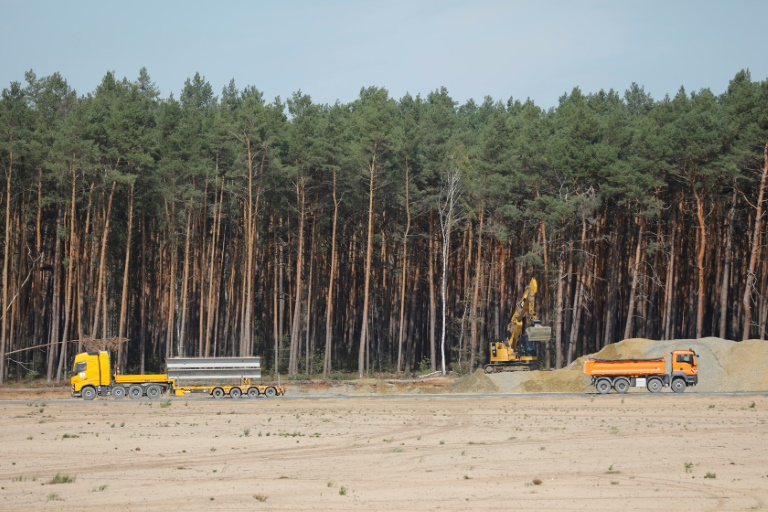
92 376
621 374
519 351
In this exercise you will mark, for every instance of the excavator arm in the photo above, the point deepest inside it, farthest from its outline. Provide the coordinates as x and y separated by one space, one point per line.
524 307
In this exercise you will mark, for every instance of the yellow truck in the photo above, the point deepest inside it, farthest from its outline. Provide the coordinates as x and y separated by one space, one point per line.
92 376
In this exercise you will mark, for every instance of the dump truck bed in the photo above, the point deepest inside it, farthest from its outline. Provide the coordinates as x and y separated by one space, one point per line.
628 367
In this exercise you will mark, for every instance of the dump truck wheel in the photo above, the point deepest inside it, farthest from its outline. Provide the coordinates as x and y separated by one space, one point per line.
270 392
154 392
654 385
253 392
235 392
678 385
118 392
88 393
217 393
621 385
603 386
135 392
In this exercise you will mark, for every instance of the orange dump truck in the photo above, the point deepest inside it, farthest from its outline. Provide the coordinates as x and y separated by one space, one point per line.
653 374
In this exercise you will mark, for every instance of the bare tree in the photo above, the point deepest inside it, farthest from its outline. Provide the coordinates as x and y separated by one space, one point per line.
447 206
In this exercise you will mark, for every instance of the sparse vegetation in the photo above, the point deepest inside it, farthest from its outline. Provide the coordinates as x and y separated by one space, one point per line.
62 479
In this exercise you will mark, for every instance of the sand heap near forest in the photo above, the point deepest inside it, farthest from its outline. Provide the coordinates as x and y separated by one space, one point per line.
723 366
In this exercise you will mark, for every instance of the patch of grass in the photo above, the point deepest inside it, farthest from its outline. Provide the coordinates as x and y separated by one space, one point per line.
752 405
342 491
62 479
70 436
246 432
612 471
614 482
100 488
710 475
688 467
54 497
19 478
165 404
260 497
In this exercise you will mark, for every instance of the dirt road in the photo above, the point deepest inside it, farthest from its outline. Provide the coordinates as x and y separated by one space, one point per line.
632 452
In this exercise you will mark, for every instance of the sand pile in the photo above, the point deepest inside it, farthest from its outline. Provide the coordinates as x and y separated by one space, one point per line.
477 382
723 366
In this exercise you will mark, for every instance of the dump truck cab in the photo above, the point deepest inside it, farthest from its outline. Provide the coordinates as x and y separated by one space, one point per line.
685 366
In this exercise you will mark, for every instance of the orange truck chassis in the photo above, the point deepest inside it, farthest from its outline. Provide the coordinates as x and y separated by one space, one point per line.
653 374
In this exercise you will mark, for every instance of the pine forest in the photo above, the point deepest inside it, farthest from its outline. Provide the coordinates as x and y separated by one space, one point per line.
382 235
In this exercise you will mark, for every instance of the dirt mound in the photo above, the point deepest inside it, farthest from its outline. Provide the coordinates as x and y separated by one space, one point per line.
477 382
723 366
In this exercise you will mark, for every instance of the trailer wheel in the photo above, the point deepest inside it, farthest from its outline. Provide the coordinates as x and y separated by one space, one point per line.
235 392
621 385
217 393
154 391
135 392
270 392
678 385
88 393
118 392
603 386
253 392
654 385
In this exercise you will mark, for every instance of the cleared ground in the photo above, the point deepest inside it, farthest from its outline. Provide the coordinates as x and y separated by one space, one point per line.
447 452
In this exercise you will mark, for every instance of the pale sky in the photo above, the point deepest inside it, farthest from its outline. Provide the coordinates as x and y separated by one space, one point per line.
331 49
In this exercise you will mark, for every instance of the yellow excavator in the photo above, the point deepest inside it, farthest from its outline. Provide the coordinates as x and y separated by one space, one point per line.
519 351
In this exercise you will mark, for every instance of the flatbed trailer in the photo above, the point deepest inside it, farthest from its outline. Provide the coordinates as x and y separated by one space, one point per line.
92 376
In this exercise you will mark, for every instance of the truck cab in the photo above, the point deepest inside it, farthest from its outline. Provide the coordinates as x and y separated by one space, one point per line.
90 372
684 366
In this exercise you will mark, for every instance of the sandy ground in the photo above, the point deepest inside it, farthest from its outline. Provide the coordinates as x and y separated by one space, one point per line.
427 452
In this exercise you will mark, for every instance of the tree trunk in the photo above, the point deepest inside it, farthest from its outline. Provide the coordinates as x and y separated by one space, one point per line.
367 271
754 250
6 257
102 267
331 282
404 271
293 363
633 287
725 285
473 343
122 328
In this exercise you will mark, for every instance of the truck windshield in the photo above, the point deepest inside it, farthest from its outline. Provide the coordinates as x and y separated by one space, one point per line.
79 367
685 358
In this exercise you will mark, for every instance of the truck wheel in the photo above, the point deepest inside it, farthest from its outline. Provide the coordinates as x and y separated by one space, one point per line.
270 392
621 385
88 393
678 385
235 392
118 392
654 385
603 386
135 392
154 391
489 369
217 393
253 392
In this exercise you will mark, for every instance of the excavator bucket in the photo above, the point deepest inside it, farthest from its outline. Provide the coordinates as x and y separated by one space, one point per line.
539 333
